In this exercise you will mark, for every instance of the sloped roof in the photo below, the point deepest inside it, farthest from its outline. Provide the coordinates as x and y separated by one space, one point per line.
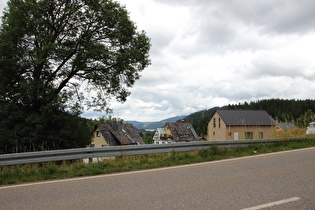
246 117
287 126
118 133
182 131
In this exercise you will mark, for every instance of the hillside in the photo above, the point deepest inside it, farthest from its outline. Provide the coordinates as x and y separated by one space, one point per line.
154 125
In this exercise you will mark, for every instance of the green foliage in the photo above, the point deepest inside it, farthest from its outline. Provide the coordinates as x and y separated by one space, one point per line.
57 50
52 55
306 118
147 136
50 128
280 109
102 120
199 120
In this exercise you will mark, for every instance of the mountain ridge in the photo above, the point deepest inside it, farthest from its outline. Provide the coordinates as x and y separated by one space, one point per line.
155 124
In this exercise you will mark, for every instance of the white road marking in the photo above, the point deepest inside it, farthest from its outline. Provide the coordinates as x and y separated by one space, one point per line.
276 203
152 170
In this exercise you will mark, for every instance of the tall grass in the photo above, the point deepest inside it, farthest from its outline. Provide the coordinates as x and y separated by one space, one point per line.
65 169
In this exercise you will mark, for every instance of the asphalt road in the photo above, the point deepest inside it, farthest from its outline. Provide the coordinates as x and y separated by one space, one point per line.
283 180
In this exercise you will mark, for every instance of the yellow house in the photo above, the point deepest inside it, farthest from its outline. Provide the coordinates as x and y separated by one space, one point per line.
240 124
114 134
175 132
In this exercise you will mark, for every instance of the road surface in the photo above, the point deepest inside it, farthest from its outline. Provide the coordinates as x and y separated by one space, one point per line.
283 180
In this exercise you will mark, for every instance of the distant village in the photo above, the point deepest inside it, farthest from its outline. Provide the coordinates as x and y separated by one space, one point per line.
223 125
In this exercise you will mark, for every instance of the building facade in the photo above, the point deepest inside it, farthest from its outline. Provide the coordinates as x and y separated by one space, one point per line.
240 124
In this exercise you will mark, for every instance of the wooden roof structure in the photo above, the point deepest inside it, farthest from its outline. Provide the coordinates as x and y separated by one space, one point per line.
118 133
182 131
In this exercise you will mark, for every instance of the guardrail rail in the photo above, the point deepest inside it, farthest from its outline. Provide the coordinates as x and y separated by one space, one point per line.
118 151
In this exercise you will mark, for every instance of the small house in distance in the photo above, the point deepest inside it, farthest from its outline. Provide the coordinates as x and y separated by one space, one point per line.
114 134
310 129
285 126
175 132
285 129
240 124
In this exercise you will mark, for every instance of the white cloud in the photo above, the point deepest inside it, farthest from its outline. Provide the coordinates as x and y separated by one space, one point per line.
227 52
212 53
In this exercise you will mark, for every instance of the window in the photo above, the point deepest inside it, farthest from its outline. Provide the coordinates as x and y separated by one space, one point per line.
214 122
261 135
213 133
249 135
219 122
98 133
92 145
230 133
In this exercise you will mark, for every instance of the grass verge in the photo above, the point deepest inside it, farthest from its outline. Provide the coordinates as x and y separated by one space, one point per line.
59 170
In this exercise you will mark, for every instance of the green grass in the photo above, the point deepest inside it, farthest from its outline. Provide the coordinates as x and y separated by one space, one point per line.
59 170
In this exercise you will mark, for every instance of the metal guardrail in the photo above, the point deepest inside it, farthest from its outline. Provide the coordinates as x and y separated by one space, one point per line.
118 151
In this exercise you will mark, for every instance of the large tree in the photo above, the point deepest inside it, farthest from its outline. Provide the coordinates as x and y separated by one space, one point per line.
54 52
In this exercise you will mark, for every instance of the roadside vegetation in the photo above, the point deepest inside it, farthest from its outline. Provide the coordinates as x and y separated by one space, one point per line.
67 169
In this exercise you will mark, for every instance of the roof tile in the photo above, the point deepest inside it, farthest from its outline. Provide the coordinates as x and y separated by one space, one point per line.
246 117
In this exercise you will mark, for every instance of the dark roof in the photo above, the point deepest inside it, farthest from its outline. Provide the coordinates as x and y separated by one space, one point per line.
286 126
182 131
246 117
118 133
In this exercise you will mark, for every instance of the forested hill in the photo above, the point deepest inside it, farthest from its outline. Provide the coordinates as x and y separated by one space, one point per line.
299 112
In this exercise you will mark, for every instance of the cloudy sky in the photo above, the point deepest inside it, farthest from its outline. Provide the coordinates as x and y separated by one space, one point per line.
210 53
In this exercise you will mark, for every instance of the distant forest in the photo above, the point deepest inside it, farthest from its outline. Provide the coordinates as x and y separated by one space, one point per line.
298 112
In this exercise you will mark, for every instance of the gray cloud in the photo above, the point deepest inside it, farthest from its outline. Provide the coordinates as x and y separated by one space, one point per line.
210 53
282 17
